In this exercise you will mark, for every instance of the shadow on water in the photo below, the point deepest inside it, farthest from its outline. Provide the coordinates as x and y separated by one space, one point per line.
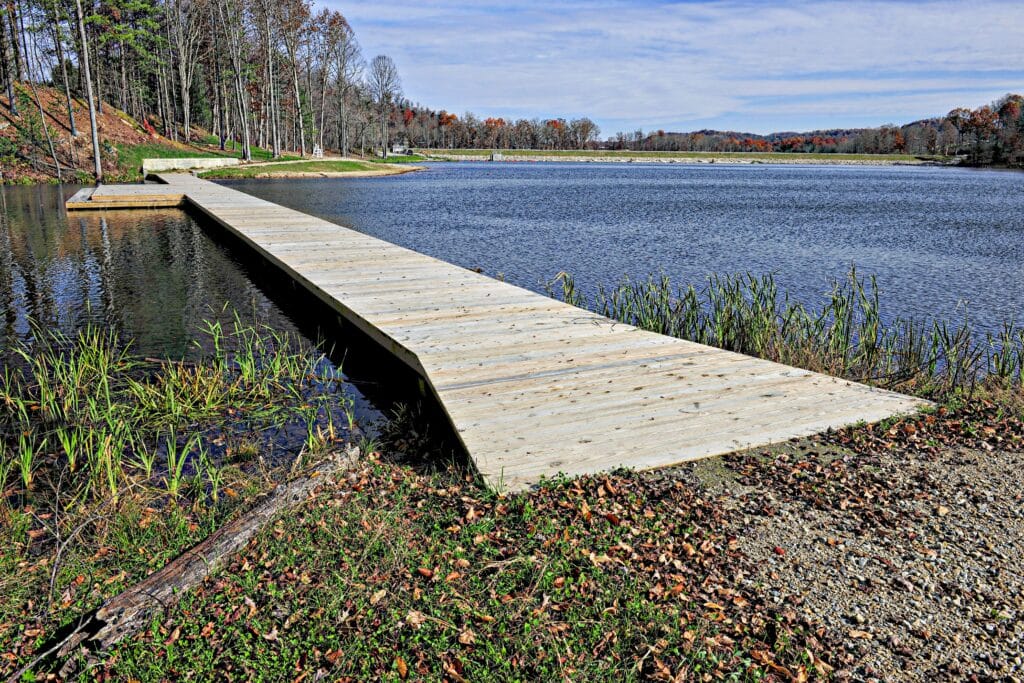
157 275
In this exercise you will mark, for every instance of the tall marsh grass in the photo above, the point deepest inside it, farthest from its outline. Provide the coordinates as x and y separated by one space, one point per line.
83 420
845 336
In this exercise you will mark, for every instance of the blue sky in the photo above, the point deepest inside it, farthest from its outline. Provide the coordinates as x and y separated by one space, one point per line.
738 65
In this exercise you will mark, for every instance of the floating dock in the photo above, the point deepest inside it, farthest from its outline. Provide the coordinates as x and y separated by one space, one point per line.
532 386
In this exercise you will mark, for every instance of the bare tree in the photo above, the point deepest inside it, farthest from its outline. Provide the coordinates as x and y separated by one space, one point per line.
231 19
385 88
294 18
97 163
184 19
348 69
265 11
329 37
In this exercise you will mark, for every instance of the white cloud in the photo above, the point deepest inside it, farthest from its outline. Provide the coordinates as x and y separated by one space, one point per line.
671 64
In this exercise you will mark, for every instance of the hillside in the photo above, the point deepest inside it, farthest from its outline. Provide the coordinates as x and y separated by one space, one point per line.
25 151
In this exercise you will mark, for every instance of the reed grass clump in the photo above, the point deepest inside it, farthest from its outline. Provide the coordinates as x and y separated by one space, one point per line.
82 419
845 336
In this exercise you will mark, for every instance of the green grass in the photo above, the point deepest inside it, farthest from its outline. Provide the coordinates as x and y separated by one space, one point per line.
397 159
111 464
387 575
346 166
234 149
129 157
765 156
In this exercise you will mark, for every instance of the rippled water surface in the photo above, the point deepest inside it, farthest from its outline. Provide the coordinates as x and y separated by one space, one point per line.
939 240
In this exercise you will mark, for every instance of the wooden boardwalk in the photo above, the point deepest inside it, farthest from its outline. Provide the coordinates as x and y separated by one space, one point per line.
532 386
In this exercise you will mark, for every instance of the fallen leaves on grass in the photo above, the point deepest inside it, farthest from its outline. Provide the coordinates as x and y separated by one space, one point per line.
583 579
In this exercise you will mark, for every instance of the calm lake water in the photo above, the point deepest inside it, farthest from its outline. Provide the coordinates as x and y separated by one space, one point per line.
941 241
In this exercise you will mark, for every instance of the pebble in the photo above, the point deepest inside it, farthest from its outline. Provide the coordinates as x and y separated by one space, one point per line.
949 594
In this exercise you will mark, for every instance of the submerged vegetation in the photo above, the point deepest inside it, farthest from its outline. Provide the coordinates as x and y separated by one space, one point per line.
83 420
847 336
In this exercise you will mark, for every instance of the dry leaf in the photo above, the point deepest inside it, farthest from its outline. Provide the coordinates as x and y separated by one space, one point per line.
415 619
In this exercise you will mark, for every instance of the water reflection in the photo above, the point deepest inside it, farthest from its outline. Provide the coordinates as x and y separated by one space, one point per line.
154 275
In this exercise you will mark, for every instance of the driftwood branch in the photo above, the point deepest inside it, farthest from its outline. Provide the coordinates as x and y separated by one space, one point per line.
131 610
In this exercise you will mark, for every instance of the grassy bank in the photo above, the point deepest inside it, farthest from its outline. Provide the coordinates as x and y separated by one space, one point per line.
130 156
302 169
111 464
766 157
387 576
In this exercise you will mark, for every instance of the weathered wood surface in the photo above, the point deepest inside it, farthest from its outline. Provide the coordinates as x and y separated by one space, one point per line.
533 386
126 197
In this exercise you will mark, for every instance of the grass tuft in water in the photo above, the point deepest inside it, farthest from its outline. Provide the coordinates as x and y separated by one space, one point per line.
84 406
846 336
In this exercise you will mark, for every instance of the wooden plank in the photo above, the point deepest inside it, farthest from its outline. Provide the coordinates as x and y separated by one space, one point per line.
532 386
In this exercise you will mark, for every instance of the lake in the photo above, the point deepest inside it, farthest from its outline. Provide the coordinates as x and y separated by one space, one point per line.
943 242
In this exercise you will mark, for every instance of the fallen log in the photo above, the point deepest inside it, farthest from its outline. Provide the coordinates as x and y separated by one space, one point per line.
132 610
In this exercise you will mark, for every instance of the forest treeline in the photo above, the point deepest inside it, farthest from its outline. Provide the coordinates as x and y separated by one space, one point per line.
990 134
279 75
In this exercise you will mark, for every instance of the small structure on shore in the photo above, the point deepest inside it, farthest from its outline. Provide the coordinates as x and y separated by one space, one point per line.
162 165
497 156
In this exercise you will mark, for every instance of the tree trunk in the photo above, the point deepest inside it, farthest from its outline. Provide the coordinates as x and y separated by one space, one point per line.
9 68
97 162
58 42
98 75
298 109
12 27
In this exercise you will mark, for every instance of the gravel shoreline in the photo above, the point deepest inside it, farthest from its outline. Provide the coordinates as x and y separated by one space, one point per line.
909 552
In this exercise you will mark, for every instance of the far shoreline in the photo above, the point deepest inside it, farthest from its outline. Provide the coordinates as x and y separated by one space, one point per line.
690 158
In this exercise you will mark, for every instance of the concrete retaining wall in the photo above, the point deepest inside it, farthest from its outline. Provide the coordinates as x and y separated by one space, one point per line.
163 165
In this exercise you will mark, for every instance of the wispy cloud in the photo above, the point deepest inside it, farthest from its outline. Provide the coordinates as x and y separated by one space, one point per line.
746 64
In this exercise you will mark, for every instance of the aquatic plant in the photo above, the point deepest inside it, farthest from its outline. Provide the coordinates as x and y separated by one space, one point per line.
89 419
845 336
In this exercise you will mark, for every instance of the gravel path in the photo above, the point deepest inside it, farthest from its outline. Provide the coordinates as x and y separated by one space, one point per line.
907 547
